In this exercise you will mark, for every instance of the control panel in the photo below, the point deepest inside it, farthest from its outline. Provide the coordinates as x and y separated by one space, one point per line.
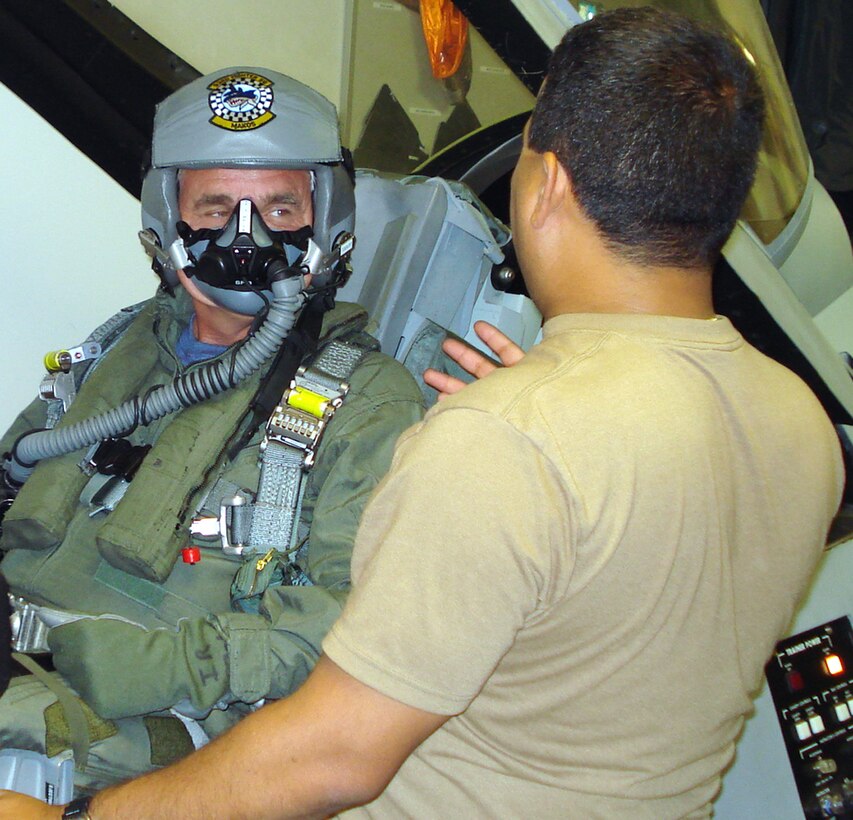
810 677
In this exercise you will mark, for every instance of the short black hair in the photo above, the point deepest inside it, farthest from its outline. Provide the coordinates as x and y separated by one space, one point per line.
657 120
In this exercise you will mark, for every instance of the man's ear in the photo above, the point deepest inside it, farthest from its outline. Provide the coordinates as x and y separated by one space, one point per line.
553 189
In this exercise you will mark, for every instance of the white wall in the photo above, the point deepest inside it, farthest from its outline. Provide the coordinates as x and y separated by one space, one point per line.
70 256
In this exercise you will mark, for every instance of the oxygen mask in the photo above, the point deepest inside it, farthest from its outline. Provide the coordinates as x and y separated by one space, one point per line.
244 254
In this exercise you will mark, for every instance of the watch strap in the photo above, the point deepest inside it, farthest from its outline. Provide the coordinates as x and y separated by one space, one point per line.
78 809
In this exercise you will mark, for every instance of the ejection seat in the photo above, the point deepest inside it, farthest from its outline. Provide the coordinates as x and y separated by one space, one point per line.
426 251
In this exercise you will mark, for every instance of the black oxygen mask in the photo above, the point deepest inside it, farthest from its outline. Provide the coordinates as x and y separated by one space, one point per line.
242 255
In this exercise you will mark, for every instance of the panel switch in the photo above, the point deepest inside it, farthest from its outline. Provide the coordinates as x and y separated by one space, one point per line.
803 730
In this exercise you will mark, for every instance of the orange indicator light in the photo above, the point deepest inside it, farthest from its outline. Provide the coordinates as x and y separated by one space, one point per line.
833 664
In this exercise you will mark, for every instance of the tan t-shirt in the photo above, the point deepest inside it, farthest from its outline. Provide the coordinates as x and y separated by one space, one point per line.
588 558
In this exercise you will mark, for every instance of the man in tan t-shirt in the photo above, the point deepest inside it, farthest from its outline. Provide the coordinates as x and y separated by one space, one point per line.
565 590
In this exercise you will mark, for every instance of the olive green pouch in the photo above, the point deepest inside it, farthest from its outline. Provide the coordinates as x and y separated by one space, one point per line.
168 738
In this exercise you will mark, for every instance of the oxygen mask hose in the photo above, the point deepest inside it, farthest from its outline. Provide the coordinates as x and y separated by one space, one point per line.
184 391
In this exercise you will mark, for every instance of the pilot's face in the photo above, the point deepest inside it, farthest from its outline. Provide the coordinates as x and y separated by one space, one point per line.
207 196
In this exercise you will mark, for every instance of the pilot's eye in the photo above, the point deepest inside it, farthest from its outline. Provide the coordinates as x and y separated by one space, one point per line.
216 214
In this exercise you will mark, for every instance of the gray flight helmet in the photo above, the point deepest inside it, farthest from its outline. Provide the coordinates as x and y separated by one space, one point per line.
245 117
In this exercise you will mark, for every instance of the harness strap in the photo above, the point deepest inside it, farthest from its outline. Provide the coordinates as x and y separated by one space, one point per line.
265 532
293 434
279 503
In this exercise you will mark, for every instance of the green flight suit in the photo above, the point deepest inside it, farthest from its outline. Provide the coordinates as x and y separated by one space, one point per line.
58 555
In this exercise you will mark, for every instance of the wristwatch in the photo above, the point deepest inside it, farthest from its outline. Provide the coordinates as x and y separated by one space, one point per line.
78 809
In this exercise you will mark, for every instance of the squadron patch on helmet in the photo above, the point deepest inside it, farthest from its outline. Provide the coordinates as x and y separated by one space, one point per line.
241 101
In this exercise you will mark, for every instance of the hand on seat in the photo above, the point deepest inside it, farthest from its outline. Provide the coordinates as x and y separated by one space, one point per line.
471 360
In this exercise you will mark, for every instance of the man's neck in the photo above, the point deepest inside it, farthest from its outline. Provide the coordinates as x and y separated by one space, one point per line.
661 291
217 326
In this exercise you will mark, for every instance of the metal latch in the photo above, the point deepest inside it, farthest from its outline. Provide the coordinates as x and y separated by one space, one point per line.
231 526
29 632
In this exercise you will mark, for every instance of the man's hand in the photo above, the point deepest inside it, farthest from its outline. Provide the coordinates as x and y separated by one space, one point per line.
15 806
472 361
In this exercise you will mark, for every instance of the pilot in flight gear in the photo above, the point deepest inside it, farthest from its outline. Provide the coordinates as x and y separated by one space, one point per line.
185 566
